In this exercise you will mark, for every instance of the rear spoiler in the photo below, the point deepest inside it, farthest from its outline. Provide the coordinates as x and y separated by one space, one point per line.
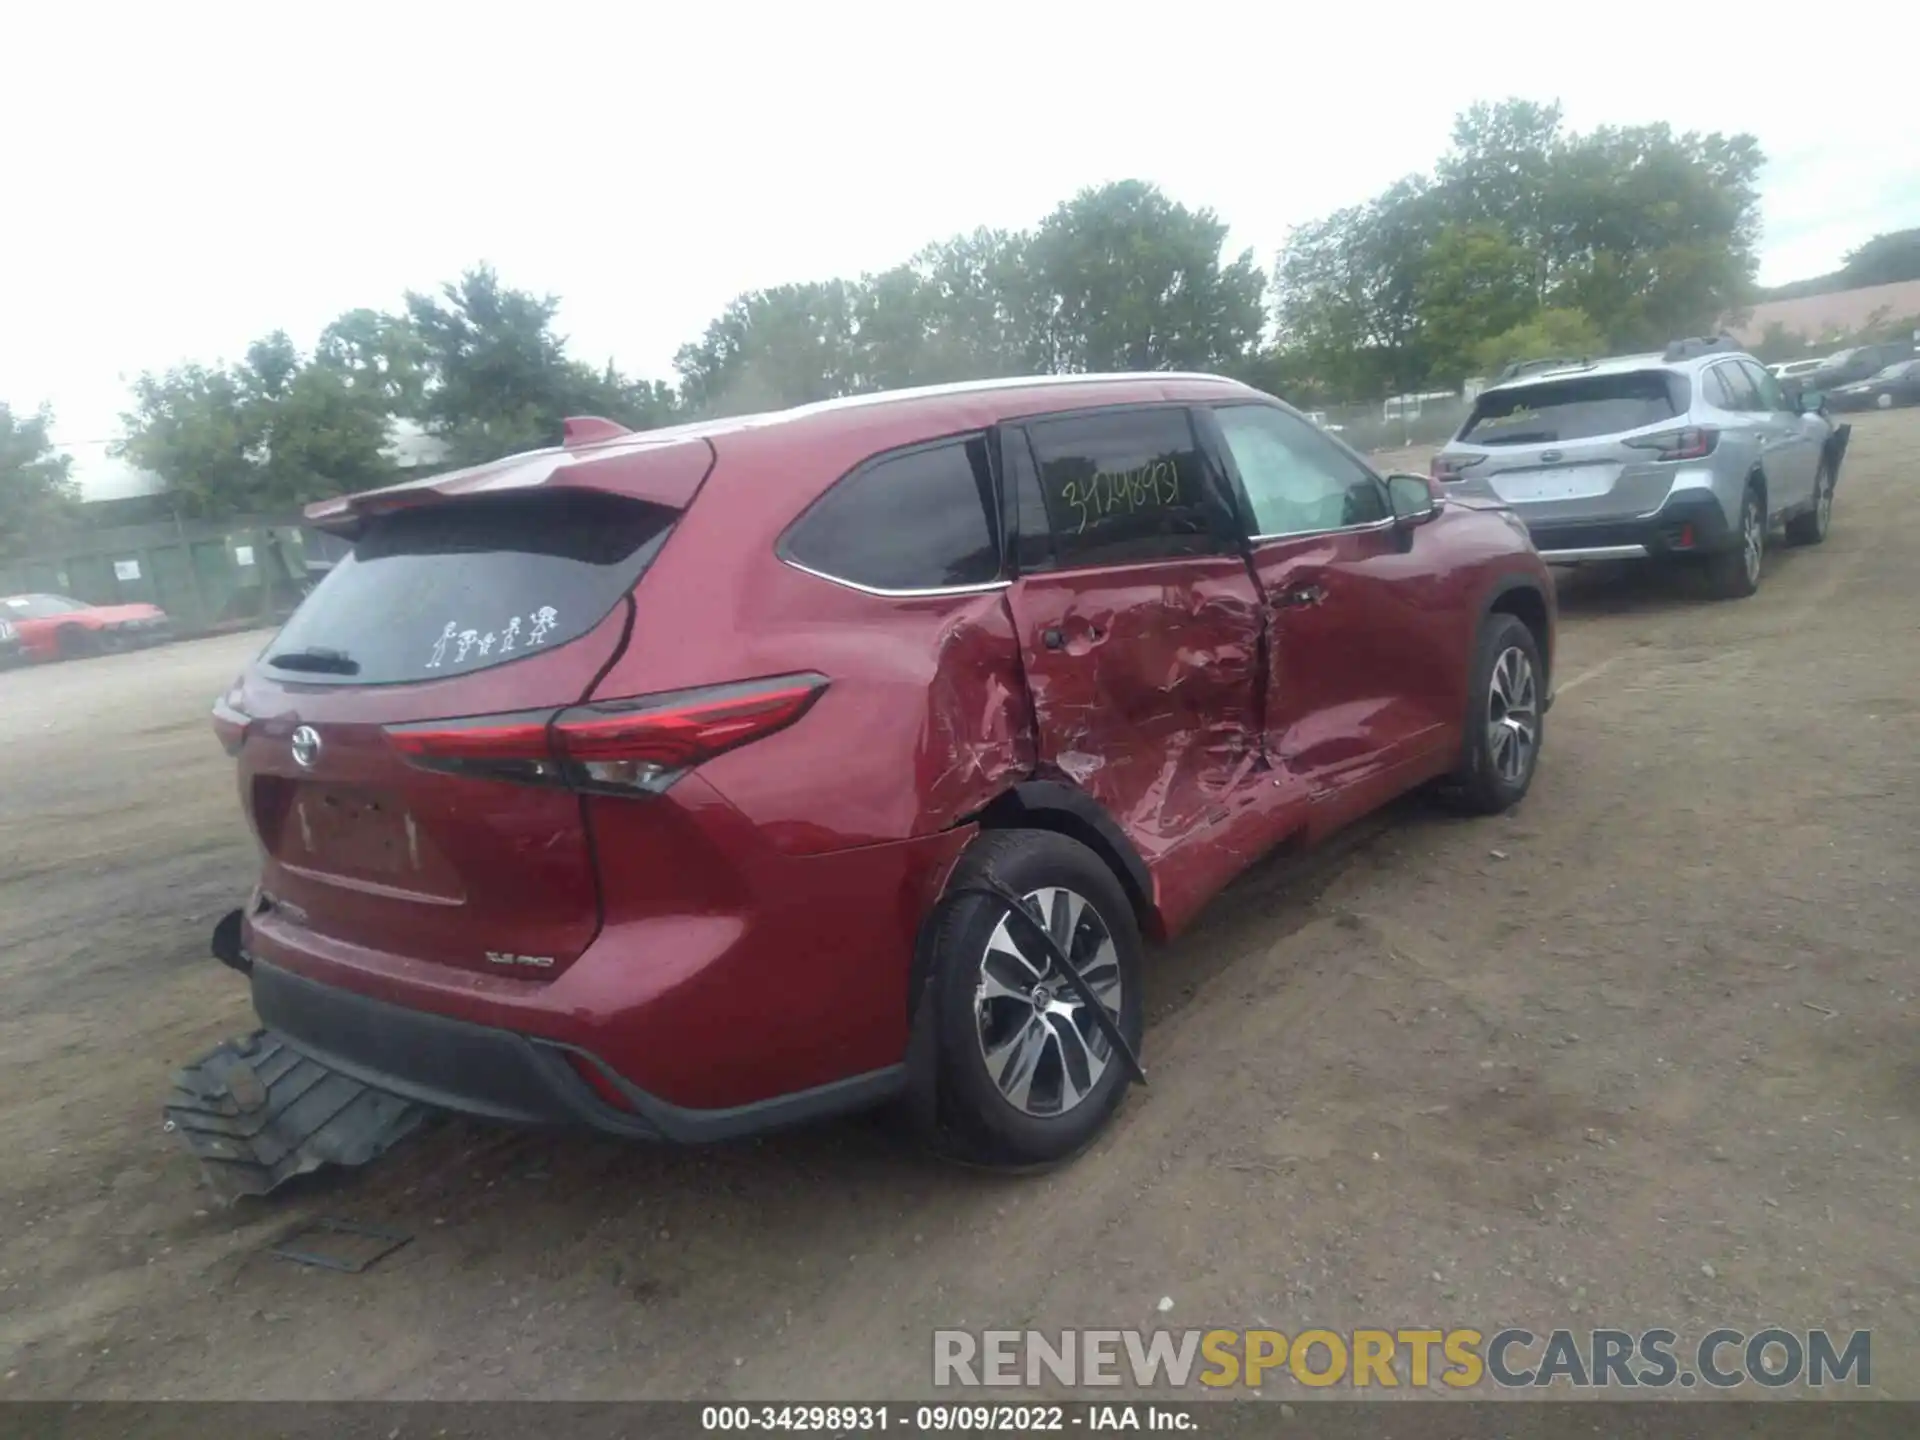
663 467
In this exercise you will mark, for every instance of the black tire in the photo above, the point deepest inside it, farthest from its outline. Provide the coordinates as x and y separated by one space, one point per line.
1486 783
980 1123
76 642
1735 574
1811 528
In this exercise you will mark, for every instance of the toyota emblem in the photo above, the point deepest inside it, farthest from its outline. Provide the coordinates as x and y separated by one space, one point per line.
306 746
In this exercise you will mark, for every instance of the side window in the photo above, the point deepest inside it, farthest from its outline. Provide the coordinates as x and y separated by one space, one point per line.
1765 387
921 519
1739 390
1026 511
1298 481
1126 485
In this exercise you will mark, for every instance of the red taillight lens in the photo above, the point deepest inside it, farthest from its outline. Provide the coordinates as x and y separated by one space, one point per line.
230 726
1693 443
680 730
488 747
623 746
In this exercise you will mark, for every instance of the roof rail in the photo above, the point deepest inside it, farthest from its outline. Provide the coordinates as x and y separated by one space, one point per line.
1555 362
1697 345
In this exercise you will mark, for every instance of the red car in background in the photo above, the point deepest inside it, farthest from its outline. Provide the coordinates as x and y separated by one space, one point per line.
54 627
689 783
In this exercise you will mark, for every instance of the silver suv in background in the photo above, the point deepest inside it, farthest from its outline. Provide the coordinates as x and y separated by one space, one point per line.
1697 452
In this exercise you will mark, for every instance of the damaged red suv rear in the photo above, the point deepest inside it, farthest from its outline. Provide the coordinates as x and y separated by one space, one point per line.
690 783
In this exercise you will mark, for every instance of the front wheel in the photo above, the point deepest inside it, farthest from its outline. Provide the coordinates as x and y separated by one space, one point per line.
1504 720
1027 1076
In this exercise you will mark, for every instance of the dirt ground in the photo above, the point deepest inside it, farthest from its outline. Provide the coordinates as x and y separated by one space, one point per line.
1641 1053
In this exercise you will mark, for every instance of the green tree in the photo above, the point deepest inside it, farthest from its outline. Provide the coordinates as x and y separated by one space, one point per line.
1886 259
1547 334
1474 280
378 352
37 496
495 373
1119 278
1649 232
262 437
1123 278
1347 291
791 345
480 365
189 426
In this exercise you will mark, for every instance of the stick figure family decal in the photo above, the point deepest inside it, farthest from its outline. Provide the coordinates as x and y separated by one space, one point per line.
466 642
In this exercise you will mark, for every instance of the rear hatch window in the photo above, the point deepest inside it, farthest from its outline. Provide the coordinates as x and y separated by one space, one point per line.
450 588
1577 408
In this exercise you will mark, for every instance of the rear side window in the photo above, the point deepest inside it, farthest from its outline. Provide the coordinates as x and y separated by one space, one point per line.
1575 409
1766 389
1125 485
450 588
920 519
1731 388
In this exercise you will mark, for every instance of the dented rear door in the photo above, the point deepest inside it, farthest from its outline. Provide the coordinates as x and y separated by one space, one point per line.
1138 620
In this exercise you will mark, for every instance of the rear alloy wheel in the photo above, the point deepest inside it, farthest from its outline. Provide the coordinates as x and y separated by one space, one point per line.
1505 720
1735 574
1811 528
1027 1075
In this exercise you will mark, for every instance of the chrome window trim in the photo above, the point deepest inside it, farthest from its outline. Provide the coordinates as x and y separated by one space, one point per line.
1371 525
985 587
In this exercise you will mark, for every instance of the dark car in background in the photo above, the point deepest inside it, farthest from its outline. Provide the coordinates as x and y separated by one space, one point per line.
1858 363
1898 384
689 783
56 627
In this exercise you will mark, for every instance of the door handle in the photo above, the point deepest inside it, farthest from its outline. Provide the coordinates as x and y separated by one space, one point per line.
1299 596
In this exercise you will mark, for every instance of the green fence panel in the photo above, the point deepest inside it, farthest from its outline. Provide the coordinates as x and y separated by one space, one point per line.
174 589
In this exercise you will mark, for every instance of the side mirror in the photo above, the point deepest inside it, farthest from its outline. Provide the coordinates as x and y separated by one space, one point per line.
1415 499
1811 401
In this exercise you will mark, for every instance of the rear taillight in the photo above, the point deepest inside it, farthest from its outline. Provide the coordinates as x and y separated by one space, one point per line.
637 746
1450 469
230 726
1692 443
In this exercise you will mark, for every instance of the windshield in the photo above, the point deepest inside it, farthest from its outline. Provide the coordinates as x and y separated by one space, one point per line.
38 607
1895 370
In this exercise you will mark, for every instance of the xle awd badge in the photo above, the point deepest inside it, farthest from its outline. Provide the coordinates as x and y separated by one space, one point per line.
531 962
306 746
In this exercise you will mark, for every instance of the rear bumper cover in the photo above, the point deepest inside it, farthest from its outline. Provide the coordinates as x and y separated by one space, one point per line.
502 1075
1690 523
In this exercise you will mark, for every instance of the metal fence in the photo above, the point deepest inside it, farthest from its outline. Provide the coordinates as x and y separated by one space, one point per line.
205 576
1404 422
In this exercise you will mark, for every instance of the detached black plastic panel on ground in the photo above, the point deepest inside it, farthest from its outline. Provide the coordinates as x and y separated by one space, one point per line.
256 1113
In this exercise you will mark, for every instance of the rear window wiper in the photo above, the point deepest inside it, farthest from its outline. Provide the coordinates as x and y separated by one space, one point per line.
318 660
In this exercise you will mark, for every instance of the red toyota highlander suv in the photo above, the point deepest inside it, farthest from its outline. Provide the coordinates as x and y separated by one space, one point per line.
688 783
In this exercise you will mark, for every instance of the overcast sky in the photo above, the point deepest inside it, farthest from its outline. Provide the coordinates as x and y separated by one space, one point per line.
182 178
